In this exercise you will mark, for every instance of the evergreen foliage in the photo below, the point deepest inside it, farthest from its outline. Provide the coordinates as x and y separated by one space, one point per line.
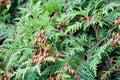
80 34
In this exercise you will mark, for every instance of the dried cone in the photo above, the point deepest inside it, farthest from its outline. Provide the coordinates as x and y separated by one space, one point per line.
5 78
86 19
1 1
66 69
117 21
62 23
46 49
45 55
37 60
33 61
41 54
59 27
41 58
5 1
34 57
58 77
40 48
76 77
117 35
4 75
9 71
38 35
55 56
82 19
42 36
54 16
113 43
50 78
73 72
44 41
39 40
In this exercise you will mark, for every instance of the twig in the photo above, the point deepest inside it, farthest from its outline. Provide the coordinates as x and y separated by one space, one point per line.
96 32
102 41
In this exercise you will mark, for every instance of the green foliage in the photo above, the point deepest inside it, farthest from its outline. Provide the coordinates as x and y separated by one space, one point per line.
84 45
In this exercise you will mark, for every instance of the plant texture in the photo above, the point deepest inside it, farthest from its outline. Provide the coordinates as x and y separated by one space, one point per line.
62 40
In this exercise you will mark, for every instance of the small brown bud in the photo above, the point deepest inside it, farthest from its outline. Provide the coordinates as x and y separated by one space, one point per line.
117 21
58 27
4 75
41 54
113 43
62 23
73 72
82 19
42 36
44 41
58 77
66 69
76 77
117 35
54 16
39 40
38 35
34 57
46 49
46 55
41 58
5 78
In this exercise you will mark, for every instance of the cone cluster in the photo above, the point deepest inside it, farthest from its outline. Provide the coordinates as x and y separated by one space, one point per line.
40 53
4 75
54 78
115 39
54 16
86 18
76 77
117 21
72 72
60 25
67 69
56 56
5 2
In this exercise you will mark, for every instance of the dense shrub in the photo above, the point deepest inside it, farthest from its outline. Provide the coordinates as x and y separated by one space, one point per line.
61 40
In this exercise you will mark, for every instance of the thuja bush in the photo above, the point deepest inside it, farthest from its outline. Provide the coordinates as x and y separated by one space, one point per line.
8 12
64 40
